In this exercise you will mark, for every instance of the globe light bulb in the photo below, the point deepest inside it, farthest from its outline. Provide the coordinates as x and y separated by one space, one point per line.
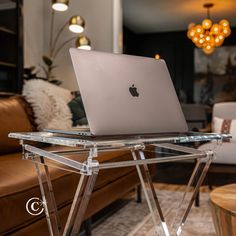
216 29
199 29
218 41
195 39
221 36
224 23
206 24
226 31
208 38
201 36
201 41
191 25
208 49
188 34
191 32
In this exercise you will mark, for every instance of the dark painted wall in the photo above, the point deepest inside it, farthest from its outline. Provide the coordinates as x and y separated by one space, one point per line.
175 48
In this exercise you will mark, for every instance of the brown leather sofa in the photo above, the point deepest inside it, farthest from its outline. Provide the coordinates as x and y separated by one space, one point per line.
18 180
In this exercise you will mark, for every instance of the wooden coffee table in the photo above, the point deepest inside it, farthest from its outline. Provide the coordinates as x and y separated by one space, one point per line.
223 206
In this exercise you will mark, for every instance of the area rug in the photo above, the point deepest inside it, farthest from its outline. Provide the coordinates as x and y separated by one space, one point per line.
134 218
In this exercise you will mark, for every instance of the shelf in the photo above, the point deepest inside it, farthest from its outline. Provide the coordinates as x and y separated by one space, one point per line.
11 52
3 29
7 64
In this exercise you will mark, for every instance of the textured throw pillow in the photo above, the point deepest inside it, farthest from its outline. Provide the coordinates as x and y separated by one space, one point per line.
224 126
49 103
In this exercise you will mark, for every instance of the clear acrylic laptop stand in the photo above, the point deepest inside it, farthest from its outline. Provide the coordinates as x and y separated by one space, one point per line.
165 144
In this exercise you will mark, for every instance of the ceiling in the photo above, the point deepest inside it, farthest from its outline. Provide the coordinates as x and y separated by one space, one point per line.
147 16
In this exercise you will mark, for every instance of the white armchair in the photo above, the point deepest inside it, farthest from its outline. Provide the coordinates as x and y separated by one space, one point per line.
224 120
225 161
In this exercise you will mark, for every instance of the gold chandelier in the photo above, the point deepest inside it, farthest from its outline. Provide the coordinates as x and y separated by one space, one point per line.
208 35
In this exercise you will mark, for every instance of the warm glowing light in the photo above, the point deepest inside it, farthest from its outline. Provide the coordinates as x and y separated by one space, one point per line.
60 5
224 23
199 29
83 42
226 31
215 29
76 24
76 29
209 39
195 39
85 47
208 35
219 41
206 24
208 49
157 56
190 25
201 41
191 32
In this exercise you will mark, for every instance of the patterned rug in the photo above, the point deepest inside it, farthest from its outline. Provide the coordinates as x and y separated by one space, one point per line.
134 218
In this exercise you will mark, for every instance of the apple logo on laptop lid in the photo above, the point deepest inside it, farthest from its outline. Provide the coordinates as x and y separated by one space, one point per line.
133 91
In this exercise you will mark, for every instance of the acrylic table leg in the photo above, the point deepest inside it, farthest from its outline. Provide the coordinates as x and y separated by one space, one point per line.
195 192
80 203
51 195
156 201
75 204
154 218
83 204
53 228
190 182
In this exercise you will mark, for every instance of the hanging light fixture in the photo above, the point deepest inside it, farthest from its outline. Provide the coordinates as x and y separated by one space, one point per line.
83 42
76 24
208 35
60 5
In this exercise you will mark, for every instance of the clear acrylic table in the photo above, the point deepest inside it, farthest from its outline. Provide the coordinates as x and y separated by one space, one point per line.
169 148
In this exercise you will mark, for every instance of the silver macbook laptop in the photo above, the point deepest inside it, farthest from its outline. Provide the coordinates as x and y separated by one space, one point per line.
125 94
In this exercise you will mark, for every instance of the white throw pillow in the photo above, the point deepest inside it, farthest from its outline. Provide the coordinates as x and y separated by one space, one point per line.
49 103
224 126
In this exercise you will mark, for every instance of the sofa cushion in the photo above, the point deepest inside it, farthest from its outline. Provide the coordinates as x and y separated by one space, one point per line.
19 183
225 153
224 126
13 118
